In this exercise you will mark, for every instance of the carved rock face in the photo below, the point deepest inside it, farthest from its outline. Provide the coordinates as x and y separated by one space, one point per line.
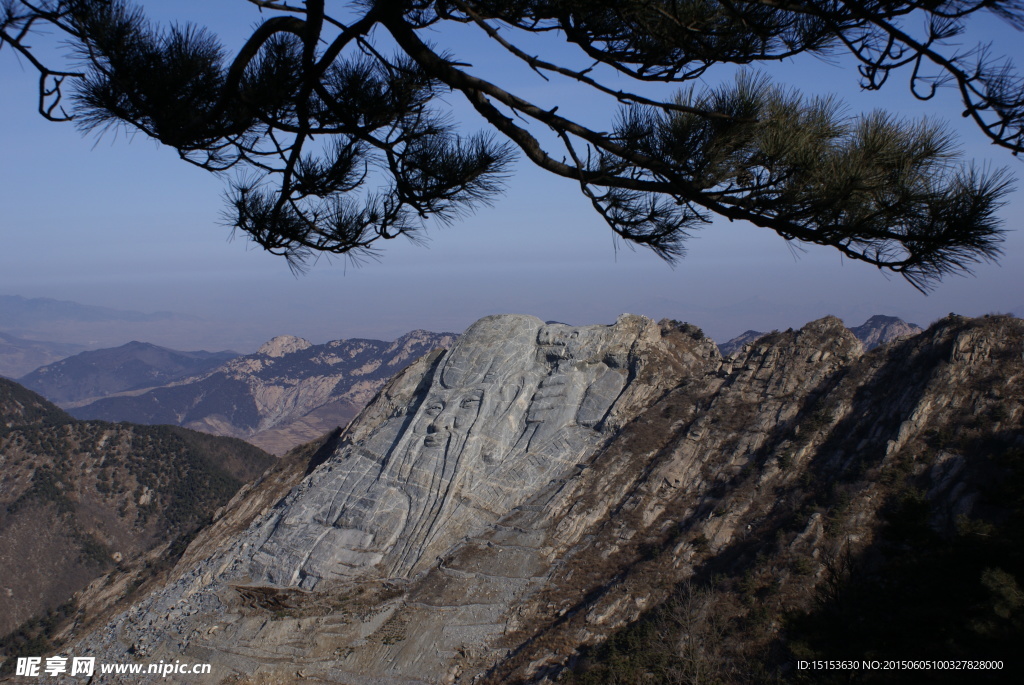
515 404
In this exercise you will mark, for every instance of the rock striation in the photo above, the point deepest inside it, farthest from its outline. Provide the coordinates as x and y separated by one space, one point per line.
502 506
514 405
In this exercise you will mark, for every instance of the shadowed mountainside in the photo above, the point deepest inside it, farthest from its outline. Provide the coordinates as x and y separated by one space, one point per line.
80 498
131 367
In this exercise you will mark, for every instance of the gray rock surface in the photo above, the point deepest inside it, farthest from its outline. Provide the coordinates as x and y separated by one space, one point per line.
283 345
513 405
451 446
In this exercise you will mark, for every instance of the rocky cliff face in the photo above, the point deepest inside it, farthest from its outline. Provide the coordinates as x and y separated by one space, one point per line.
500 509
287 393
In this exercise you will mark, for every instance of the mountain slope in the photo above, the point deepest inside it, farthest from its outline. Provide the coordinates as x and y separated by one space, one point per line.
19 406
132 366
78 498
621 504
287 393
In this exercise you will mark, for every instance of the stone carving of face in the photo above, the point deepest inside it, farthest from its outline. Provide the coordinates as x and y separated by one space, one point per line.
468 406
470 420
451 419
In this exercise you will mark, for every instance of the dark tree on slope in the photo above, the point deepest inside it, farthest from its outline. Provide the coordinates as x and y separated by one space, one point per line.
332 116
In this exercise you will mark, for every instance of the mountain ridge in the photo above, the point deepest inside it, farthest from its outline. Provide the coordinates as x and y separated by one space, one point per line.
877 330
21 312
287 393
240 401
130 367
681 479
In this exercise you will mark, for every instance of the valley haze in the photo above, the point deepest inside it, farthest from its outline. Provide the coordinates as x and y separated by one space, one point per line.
75 326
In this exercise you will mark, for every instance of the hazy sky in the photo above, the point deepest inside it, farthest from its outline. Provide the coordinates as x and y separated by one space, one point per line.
121 222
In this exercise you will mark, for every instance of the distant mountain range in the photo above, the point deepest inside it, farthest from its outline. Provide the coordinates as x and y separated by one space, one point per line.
24 312
731 346
287 393
134 366
879 330
875 331
89 327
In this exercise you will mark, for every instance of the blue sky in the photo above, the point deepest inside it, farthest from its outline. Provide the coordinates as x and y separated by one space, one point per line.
120 222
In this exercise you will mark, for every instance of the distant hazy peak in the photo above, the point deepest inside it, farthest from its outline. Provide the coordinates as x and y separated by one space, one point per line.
883 320
731 346
282 345
881 329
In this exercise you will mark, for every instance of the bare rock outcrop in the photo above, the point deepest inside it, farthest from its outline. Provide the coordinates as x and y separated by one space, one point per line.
501 506
282 345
